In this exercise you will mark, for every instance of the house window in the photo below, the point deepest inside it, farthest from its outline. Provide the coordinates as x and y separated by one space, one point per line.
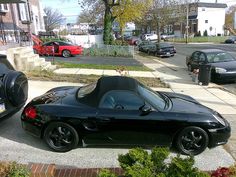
206 21
3 7
23 12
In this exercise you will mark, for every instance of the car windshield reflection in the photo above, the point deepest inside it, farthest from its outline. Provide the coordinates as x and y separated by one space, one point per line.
157 100
219 57
85 90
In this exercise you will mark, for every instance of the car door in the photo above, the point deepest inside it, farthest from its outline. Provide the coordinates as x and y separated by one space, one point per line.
121 120
195 59
47 48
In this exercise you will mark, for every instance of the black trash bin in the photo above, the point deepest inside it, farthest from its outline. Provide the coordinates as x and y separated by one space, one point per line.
204 74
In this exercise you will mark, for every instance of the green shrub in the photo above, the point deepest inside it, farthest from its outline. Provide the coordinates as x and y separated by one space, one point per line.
139 163
106 173
205 33
13 169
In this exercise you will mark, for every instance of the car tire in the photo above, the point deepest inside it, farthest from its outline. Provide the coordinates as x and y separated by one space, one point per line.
16 88
192 141
61 137
66 53
190 68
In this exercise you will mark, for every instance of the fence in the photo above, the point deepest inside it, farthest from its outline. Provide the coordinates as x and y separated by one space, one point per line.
109 50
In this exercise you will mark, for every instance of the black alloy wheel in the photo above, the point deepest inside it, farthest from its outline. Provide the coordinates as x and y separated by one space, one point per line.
192 141
61 137
66 53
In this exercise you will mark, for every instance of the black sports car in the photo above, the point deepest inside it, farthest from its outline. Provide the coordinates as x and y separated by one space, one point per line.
13 89
119 110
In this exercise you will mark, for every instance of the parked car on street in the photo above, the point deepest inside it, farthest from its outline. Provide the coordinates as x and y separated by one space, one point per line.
60 48
133 40
162 50
101 114
223 65
144 45
149 37
230 40
13 89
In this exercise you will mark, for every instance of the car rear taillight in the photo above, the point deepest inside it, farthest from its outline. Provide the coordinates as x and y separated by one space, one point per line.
30 112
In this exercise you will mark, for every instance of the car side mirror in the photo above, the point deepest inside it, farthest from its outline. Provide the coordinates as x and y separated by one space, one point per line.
146 109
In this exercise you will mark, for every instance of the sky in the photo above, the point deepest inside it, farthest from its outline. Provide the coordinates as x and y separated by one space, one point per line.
70 8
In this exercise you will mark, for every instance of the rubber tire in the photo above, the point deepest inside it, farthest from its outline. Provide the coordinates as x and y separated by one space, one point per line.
52 126
199 130
64 55
16 88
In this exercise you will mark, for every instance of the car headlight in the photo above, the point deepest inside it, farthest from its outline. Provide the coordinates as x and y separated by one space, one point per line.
219 119
220 70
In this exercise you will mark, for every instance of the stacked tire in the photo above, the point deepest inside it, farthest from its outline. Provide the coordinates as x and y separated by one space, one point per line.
16 88
13 87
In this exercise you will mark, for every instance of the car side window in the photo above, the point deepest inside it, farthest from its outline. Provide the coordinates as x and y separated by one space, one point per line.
195 56
202 57
121 100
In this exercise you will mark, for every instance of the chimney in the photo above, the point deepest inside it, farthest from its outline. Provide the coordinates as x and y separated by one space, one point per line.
216 1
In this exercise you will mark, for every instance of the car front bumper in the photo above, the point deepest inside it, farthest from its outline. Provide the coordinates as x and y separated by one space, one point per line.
219 136
166 54
225 77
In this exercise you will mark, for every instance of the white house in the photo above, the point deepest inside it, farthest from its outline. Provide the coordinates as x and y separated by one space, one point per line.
203 17
211 17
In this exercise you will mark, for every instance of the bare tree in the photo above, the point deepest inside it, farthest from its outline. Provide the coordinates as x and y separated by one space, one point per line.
53 19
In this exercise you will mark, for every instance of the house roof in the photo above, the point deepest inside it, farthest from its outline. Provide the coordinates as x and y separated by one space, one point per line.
212 5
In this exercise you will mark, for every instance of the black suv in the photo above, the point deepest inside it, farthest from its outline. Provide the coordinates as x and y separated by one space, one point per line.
13 89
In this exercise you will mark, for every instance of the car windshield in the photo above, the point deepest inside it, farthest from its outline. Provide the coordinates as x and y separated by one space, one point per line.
219 57
85 90
154 98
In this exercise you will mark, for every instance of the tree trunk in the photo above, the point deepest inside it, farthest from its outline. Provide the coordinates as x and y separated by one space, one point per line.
108 20
158 31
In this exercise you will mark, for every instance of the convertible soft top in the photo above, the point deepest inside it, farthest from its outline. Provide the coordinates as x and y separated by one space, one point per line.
106 84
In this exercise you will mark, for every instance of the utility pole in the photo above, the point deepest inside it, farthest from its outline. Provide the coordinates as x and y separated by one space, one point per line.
187 27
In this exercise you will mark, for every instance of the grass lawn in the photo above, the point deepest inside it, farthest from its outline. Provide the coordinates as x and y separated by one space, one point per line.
95 66
215 39
84 79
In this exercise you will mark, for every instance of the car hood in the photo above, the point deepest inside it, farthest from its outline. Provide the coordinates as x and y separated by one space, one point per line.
186 104
229 66
56 95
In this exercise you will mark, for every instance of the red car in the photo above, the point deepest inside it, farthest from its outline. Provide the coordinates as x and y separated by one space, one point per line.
60 48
